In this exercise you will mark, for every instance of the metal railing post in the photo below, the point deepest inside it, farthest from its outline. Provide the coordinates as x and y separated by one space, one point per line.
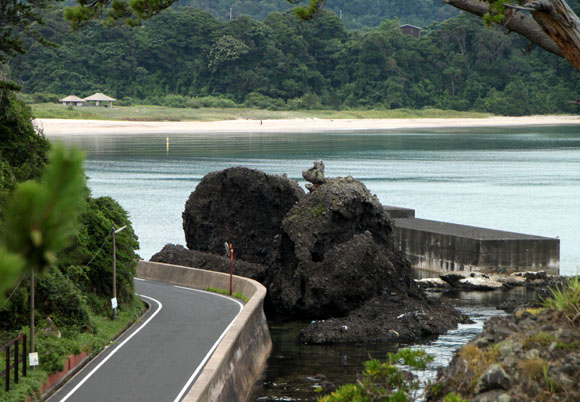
24 359
7 375
16 360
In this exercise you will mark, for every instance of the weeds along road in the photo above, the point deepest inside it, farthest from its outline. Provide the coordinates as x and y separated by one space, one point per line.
162 355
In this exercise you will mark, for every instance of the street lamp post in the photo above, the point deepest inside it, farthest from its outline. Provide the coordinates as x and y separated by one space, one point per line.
32 311
114 300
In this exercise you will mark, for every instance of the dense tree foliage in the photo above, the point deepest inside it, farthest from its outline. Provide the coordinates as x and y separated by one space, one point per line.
284 62
22 149
355 13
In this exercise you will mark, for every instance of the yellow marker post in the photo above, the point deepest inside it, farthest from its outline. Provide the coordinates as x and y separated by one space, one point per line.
167 144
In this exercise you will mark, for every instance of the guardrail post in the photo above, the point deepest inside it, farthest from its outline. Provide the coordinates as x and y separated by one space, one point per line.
24 356
16 360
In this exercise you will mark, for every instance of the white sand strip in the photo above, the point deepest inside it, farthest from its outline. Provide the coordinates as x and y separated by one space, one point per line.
56 127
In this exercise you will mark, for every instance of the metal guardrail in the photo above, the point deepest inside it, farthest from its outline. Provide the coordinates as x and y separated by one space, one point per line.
17 360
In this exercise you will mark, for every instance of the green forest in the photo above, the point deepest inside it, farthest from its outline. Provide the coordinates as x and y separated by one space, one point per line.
355 14
184 54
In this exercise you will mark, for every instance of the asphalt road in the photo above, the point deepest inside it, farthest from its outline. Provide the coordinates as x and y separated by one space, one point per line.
158 359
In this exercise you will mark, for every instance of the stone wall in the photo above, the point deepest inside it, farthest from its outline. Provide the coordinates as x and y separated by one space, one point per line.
238 360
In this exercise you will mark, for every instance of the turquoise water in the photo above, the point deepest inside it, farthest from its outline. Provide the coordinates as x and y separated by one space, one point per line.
524 180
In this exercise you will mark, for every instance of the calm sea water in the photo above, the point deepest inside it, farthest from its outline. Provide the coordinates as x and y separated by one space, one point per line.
524 180
518 179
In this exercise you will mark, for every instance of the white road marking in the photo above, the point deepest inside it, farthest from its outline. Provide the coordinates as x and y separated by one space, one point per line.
93 371
213 348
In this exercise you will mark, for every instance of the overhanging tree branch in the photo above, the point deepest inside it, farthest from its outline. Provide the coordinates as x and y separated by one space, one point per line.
560 22
514 21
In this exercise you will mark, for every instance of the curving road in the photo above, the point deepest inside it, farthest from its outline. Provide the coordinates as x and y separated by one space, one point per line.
158 359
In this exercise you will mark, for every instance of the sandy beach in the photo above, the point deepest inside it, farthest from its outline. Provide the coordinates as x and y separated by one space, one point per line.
56 127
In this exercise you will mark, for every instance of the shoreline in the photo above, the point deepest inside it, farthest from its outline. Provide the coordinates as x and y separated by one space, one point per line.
63 127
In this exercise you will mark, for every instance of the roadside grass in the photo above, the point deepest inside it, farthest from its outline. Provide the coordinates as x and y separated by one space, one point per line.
161 113
53 351
226 292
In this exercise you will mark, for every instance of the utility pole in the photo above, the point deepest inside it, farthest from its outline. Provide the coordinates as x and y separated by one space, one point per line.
114 274
114 300
231 8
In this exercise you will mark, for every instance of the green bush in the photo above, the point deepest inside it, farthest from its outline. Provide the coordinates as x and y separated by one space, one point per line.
257 100
384 381
178 101
61 300
101 214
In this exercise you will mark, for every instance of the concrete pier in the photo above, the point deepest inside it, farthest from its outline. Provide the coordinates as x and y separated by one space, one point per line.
438 247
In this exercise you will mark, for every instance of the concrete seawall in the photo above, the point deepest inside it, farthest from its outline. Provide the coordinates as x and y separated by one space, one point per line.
435 247
239 358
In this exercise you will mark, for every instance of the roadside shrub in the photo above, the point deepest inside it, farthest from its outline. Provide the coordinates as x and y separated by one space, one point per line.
95 240
61 300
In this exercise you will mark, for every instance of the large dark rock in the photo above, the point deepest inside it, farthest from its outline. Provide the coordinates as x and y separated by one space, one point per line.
325 254
241 206
342 252
331 215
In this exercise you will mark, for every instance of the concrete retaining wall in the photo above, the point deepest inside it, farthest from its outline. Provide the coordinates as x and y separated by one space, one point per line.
439 247
238 360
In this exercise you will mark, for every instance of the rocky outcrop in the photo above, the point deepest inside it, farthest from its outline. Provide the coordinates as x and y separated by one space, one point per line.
241 206
530 356
328 253
390 317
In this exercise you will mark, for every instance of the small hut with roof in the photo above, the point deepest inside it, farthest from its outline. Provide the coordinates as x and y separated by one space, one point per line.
99 98
412 30
72 100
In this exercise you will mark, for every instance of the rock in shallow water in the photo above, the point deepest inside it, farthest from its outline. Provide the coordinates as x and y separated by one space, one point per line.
325 254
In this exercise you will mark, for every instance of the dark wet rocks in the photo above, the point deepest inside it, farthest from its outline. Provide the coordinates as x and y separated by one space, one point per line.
325 254
532 355
390 317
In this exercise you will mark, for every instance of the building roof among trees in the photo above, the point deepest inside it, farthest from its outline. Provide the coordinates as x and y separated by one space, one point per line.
99 97
71 98
410 26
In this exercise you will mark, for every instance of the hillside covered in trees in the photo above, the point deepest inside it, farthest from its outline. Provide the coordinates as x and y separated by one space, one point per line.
185 53
355 13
